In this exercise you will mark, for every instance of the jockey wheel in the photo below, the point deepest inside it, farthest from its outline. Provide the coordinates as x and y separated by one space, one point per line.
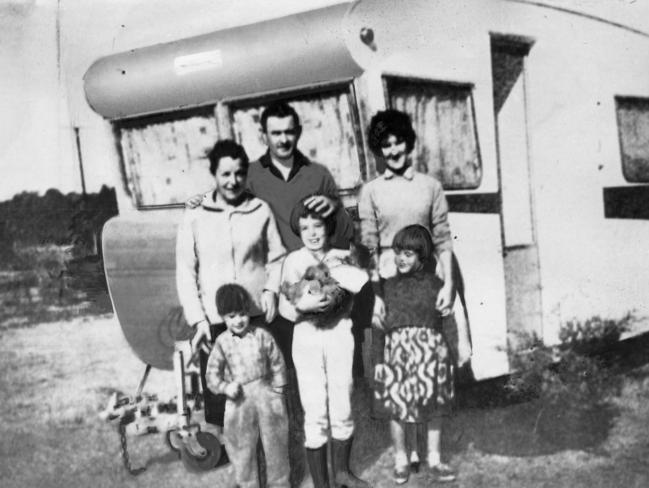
202 454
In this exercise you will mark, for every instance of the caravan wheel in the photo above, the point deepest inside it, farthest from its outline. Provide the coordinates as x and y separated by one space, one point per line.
197 462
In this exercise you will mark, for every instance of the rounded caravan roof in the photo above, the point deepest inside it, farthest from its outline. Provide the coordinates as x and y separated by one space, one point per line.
293 51
418 23
299 50
627 14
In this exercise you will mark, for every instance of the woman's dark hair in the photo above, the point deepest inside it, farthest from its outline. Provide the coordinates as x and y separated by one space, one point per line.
279 110
390 122
227 148
232 298
415 238
301 211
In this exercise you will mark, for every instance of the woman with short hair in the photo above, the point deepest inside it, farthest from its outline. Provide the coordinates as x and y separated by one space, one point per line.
231 237
398 198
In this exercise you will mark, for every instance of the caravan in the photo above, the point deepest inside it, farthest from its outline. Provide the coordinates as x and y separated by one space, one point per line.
534 116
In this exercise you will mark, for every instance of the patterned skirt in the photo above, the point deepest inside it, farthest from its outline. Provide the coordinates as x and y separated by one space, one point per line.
415 381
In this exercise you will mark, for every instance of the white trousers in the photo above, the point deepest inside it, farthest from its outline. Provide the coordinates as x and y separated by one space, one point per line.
323 364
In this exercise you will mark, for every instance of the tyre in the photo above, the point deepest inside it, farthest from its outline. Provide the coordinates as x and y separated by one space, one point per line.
197 462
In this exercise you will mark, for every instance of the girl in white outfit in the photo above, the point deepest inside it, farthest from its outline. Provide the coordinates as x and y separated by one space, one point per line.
323 352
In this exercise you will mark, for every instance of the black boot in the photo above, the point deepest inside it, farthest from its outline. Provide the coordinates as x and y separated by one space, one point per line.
343 476
317 461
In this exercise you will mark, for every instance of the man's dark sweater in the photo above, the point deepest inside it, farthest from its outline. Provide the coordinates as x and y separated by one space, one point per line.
306 179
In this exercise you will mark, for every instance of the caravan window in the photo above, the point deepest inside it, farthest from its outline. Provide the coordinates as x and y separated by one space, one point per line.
443 118
329 131
633 128
164 156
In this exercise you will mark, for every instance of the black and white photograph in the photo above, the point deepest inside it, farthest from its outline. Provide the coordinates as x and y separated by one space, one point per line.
324 243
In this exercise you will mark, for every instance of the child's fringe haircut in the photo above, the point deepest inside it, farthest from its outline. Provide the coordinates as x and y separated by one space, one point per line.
232 298
415 238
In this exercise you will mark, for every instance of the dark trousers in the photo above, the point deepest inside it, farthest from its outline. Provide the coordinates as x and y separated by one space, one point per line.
361 316
214 404
282 331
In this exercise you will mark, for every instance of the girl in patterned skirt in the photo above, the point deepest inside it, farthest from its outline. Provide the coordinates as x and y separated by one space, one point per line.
415 380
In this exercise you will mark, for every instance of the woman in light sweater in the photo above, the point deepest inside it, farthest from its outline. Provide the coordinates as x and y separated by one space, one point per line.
231 237
400 197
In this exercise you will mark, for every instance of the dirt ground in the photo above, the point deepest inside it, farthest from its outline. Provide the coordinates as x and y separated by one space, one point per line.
55 377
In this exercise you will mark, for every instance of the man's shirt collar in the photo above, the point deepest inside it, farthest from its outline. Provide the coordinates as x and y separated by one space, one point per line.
299 160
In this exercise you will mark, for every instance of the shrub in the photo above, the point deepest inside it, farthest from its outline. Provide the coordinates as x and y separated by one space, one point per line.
570 373
593 335
570 384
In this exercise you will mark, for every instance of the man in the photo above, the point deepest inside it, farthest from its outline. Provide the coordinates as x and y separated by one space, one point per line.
284 176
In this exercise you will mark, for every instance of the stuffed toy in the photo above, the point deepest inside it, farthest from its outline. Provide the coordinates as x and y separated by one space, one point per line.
317 280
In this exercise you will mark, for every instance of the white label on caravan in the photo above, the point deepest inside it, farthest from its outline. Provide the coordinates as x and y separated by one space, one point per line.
198 62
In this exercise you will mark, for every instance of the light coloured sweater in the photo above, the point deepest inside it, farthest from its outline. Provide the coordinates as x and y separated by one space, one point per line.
219 244
390 202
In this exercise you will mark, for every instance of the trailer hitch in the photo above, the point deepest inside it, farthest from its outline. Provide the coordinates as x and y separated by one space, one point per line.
144 414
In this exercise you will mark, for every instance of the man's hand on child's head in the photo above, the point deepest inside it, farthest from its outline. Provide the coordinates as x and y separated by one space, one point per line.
322 204
233 390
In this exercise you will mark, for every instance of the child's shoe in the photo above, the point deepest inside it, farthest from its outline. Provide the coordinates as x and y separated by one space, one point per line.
414 462
401 468
401 474
443 473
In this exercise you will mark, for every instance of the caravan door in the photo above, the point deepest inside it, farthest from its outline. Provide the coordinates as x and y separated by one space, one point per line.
447 147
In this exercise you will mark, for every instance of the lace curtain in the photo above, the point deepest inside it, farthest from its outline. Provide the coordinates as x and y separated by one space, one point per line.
442 116
166 162
328 135
633 127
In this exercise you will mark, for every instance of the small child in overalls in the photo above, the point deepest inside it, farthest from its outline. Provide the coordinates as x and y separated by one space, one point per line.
247 366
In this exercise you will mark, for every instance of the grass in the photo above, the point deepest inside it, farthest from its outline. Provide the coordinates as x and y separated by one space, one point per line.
55 377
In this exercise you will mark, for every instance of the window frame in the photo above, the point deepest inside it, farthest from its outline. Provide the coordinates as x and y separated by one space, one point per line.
625 99
388 79
141 122
230 105
345 86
